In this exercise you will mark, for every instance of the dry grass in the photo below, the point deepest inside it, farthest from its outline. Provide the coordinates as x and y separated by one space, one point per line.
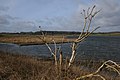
32 39
21 67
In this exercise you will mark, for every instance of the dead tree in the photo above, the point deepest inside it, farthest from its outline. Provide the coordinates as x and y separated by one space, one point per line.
88 16
53 52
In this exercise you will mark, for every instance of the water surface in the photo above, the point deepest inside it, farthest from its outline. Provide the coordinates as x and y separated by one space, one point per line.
94 47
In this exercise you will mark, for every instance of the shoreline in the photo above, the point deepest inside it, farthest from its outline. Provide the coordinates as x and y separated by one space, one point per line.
27 44
24 40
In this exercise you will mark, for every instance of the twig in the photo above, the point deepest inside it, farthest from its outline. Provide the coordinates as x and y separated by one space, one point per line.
100 68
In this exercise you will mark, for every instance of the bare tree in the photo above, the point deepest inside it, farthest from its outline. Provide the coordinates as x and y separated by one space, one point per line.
88 16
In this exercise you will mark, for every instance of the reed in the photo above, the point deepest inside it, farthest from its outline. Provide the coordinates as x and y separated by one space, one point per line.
23 67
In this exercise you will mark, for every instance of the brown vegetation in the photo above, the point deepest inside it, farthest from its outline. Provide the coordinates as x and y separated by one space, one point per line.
22 67
28 39
31 39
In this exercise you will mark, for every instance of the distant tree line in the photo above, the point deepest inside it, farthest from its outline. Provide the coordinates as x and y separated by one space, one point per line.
56 32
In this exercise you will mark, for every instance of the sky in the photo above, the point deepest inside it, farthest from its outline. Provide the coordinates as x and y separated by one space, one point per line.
57 15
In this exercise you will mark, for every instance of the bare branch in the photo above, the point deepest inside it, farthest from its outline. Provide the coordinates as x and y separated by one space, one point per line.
85 22
55 52
96 13
100 68
86 35
88 12
108 66
100 76
50 49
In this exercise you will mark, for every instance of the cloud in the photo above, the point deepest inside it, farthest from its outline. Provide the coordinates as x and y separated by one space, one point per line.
110 9
23 26
15 24
61 15
6 19
5 22
19 26
108 18
55 23
3 8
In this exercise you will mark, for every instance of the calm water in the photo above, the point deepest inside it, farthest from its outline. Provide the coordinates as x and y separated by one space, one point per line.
95 47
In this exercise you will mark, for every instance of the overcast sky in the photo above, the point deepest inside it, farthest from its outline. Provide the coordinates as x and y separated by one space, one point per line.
60 15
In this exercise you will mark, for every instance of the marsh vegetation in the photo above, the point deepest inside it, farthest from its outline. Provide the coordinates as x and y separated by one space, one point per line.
22 67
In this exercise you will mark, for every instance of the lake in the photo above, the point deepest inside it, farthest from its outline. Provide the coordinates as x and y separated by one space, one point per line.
94 47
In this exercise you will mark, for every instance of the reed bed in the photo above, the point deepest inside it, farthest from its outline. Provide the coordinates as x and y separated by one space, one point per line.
31 39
